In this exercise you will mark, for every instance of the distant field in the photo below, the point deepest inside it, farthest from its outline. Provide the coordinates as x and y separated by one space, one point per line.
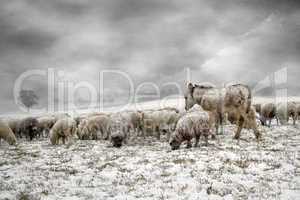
177 102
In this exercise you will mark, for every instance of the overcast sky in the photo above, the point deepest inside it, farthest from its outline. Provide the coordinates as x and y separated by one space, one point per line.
150 40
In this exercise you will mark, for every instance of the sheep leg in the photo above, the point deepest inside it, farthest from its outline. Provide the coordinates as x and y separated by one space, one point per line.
206 140
31 135
107 134
239 129
158 132
197 141
94 134
64 139
213 136
217 123
256 131
189 144
169 133
144 133
126 138
221 123
139 130
217 127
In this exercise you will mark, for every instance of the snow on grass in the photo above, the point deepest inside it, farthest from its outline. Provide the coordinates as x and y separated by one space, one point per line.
147 169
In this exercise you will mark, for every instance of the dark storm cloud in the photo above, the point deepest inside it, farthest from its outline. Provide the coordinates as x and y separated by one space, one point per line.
28 39
151 40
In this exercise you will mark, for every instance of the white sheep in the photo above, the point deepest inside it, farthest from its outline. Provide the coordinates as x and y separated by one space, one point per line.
193 124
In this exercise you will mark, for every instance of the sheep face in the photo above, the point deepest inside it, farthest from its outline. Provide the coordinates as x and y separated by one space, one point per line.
175 144
117 139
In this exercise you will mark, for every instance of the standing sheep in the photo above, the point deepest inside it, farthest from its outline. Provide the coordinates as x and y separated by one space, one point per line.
267 112
192 125
64 129
233 98
7 134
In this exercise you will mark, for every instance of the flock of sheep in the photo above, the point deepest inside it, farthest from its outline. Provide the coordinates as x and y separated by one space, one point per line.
206 108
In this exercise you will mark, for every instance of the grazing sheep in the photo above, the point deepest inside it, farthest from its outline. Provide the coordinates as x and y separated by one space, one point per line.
160 120
63 129
192 125
89 127
45 124
6 133
29 127
118 138
235 99
122 123
267 112
285 111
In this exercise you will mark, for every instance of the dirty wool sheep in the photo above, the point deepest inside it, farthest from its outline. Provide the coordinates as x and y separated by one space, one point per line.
64 129
91 126
124 125
6 133
127 121
29 127
156 121
193 124
235 99
285 111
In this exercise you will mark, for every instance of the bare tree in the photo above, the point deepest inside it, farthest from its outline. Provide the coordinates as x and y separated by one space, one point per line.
28 98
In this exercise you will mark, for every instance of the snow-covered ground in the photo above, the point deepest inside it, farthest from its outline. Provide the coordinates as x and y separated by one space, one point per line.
147 169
